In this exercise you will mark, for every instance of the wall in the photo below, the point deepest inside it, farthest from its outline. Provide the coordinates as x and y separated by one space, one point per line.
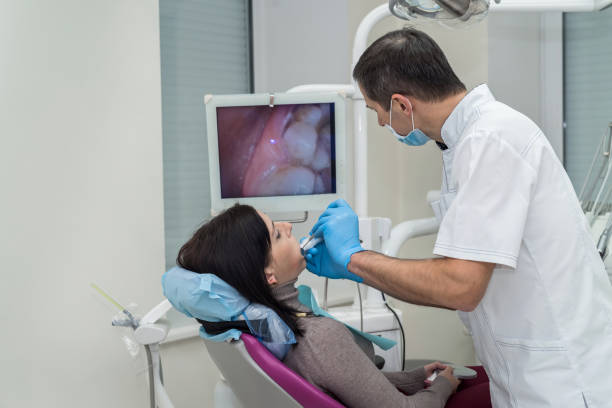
290 51
525 55
80 170
514 60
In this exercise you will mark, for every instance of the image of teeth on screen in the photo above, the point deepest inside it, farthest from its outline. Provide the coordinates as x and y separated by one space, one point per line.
276 151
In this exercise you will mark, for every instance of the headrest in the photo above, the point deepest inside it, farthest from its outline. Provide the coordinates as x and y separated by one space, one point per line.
207 297
202 295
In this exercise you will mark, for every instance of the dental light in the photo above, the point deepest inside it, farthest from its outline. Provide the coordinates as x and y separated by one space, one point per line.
464 12
443 11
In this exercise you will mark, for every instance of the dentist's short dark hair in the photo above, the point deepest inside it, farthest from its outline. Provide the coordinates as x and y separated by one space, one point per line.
408 62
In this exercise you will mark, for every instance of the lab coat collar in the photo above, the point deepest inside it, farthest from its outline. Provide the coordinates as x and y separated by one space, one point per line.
464 113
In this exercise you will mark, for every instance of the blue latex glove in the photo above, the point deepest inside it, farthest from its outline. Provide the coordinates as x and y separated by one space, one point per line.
320 263
339 227
316 257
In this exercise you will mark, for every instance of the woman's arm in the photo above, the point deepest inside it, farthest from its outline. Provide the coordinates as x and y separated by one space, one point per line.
336 364
409 382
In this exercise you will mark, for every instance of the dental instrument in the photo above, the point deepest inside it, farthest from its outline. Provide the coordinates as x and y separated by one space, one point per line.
309 243
462 373
149 332
131 321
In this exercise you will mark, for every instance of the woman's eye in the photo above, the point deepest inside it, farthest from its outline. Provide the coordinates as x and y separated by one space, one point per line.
277 234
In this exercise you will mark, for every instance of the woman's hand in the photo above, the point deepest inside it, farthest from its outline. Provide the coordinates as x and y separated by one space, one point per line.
430 368
448 373
444 370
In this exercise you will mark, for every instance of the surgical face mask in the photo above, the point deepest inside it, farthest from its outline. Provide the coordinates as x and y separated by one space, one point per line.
414 138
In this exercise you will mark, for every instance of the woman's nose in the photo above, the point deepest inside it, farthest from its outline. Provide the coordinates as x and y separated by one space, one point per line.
288 227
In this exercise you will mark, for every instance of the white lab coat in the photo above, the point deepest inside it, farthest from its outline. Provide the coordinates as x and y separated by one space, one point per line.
544 327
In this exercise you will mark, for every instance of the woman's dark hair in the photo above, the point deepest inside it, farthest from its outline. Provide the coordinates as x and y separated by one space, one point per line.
408 62
235 246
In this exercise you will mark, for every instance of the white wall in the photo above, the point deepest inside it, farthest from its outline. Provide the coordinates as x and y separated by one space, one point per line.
81 177
290 50
525 56
514 60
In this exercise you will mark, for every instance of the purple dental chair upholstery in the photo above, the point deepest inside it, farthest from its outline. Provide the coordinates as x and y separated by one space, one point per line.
259 379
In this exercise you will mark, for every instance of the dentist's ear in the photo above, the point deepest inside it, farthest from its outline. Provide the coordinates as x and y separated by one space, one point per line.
403 102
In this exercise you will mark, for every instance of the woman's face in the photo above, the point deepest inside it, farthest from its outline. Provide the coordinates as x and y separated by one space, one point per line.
286 260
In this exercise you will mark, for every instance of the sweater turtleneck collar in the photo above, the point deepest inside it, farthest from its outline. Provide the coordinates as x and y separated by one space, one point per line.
287 294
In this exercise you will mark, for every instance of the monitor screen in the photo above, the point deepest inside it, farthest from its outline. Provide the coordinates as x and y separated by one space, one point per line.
282 150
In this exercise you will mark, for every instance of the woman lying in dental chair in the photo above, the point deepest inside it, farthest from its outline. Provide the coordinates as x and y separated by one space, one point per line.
262 260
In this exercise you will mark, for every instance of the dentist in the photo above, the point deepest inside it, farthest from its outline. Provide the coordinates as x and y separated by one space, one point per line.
516 256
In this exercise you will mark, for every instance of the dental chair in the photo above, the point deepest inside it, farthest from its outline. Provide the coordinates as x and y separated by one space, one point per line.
252 377
258 379
251 370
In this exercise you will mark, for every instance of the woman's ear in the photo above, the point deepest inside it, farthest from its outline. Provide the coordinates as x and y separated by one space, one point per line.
270 278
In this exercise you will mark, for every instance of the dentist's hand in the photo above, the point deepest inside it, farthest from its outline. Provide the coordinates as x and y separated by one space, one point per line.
320 263
339 227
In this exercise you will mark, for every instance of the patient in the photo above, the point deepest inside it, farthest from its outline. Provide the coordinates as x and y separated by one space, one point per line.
262 260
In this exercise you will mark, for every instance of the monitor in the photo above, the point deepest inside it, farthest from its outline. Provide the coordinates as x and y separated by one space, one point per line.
276 152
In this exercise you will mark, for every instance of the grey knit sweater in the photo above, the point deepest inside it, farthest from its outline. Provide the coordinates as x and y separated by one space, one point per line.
329 357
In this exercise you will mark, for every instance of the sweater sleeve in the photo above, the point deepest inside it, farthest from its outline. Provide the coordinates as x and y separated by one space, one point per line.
408 382
341 368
